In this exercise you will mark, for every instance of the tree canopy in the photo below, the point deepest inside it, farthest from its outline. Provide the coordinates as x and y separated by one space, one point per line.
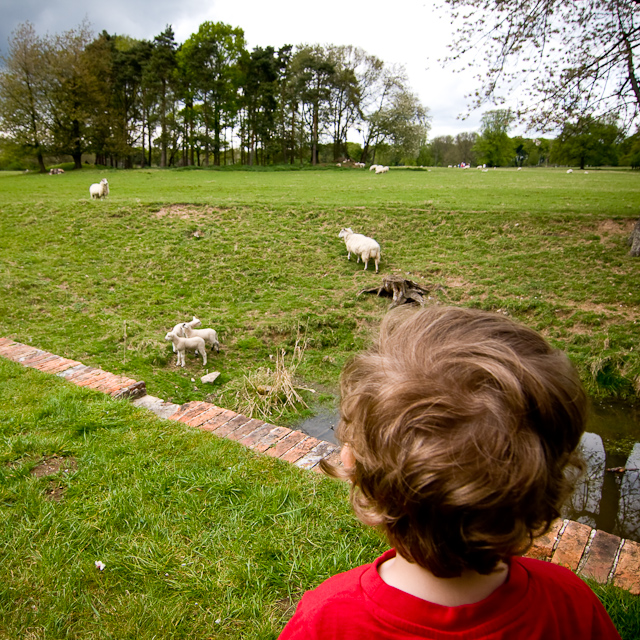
570 58
124 100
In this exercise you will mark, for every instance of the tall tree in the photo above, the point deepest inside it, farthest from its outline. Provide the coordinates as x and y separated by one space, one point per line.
314 74
160 76
571 57
73 92
588 141
211 57
494 146
24 86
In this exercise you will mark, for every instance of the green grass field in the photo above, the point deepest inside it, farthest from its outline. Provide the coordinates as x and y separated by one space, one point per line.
201 537
103 281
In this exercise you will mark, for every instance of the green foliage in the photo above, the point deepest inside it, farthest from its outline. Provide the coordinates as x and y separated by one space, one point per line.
494 147
588 141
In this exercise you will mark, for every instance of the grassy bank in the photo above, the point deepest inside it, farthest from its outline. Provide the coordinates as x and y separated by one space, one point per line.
199 536
256 255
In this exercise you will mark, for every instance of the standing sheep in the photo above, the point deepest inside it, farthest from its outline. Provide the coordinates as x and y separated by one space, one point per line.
364 247
99 190
208 335
178 328
182 344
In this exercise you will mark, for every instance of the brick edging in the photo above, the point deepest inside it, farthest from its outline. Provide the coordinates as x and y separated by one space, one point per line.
594 554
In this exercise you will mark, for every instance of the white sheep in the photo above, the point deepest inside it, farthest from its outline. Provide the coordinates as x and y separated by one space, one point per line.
569 170
182 344
373 167
382 169
364 247
208 335
178 328
99 190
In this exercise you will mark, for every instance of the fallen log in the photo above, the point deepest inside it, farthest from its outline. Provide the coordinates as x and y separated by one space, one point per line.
403 291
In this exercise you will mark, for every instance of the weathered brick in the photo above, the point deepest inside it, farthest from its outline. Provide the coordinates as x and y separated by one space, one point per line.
256 435
63 364
203 417
627 573
14 351
270 439
316 454
571 546
286 443
5 341
542 546
219 420
300 450
602 553
196 408
94 379
133 390
245 430
230 426
34 353
333 459
36 361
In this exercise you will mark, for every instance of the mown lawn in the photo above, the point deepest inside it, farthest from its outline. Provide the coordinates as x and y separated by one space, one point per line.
200 537
256 255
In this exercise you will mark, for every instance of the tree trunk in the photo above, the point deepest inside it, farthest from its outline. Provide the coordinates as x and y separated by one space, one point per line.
634 241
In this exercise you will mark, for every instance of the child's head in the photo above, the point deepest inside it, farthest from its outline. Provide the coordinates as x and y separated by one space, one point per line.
463 425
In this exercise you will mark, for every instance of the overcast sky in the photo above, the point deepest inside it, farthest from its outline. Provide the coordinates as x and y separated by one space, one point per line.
409 32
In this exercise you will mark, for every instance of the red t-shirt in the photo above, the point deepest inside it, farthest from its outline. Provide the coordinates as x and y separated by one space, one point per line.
540 600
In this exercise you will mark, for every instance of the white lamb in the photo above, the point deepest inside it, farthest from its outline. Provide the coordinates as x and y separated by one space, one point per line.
569 170
99 190
373 167
182 344
381 169
364 247
208 335
178 328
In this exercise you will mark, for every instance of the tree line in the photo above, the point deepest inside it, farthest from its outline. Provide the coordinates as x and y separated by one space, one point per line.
206 101
582 141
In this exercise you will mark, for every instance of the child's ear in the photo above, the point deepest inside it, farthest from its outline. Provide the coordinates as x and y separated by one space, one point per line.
348 459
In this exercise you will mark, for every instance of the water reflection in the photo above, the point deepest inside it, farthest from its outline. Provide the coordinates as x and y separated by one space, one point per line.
608 496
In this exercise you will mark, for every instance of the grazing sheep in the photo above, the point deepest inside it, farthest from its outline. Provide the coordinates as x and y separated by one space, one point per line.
208 335
362 246
381 169
182 344
569 170
373 167
180 333
99 190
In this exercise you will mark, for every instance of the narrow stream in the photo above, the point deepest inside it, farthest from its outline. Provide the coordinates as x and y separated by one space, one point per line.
608 497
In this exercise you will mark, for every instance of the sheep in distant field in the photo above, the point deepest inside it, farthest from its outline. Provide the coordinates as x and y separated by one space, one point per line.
208 335
569 170
180 333
53 171
364 247
99 190
381 169
373 167
182 344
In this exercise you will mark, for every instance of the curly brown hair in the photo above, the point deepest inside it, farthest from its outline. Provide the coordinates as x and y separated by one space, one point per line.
464 426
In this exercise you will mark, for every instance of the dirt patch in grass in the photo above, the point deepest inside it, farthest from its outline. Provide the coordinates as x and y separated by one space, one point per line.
52 466
187 212
615 227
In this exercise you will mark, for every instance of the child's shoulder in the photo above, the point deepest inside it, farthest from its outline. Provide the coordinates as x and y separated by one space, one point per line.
553 577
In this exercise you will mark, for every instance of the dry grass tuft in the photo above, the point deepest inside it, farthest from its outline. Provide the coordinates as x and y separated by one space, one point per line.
268 392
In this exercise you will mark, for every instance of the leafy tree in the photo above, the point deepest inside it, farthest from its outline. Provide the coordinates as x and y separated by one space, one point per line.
588 141
73 91
313 76
24 92
572 58
531 152
210 58
159 75
494 147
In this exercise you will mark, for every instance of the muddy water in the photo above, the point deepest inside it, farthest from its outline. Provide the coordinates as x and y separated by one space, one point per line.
608 498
